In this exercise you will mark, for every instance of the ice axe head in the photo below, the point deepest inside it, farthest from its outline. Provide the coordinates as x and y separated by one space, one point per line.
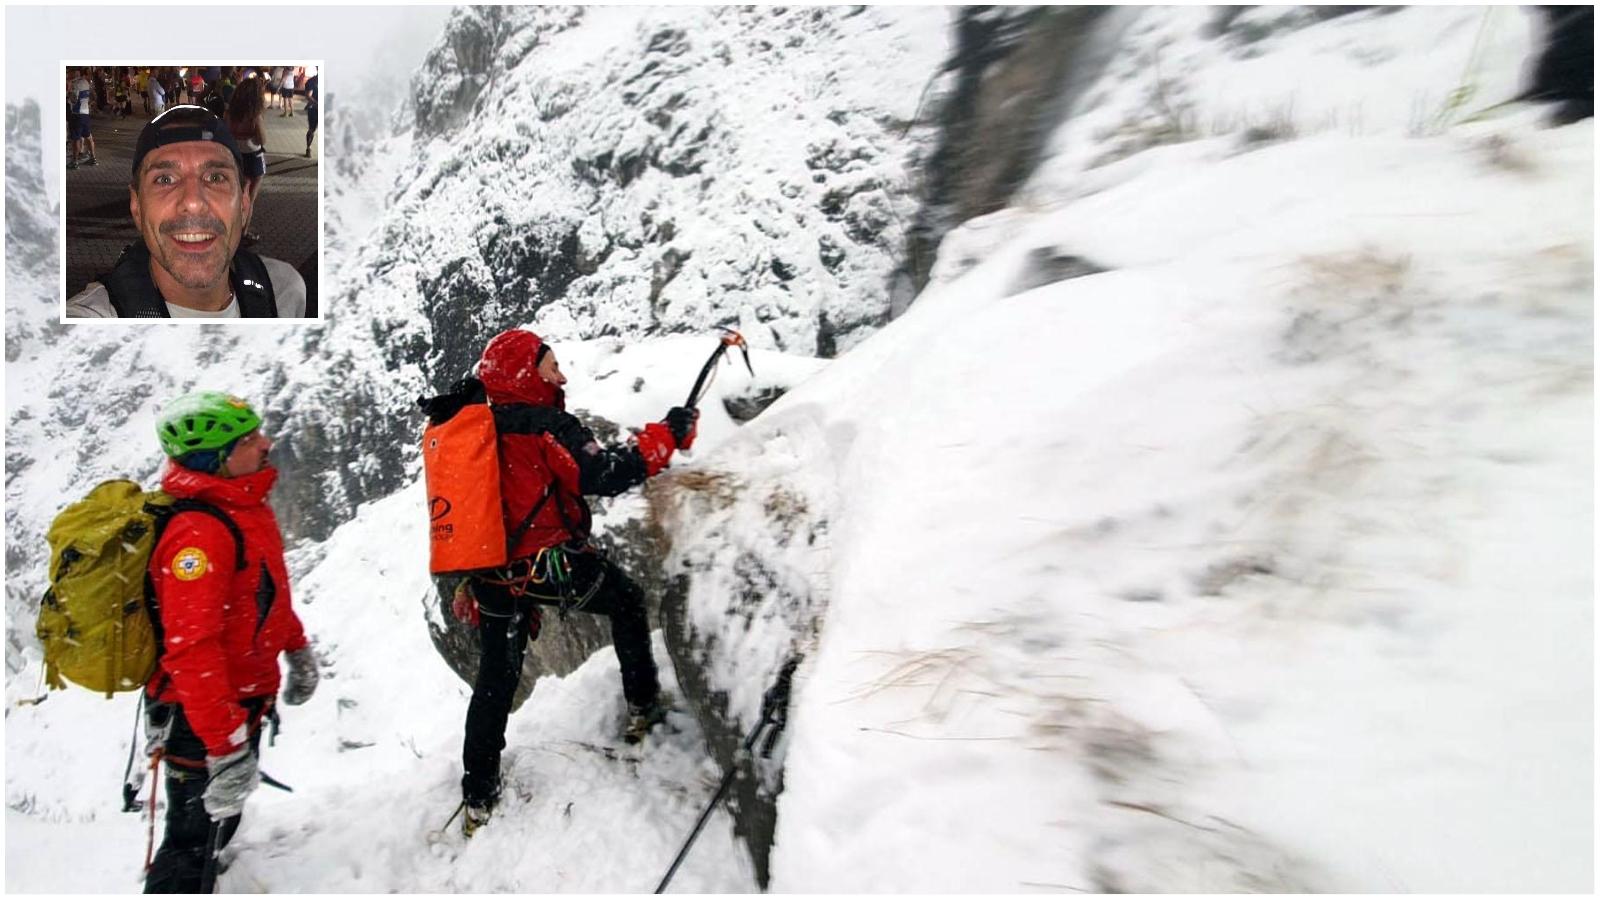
730 338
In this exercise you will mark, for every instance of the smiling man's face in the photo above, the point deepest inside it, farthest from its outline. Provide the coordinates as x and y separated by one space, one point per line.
190 207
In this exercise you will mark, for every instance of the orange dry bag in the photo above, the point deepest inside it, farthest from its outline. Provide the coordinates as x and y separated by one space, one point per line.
461 468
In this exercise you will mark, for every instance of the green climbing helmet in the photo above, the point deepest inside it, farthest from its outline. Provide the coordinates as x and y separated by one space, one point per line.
204 420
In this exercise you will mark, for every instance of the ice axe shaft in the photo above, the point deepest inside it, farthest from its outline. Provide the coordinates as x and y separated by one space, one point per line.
774 714
730 338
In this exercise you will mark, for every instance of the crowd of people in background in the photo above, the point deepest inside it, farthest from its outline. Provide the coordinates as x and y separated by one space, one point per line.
237 94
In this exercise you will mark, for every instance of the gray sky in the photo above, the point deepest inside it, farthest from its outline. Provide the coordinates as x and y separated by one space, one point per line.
348 37
353 42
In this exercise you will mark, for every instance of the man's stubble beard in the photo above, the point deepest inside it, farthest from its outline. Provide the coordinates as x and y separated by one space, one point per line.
197 275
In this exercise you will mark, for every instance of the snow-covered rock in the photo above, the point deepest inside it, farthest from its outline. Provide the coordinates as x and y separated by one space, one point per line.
652 171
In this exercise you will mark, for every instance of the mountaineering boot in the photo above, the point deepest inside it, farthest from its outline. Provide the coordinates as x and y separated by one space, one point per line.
475 816
643 718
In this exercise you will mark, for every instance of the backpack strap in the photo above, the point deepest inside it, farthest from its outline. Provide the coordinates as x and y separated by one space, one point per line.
444 407
527 521
164 514
252 285
554 424
200 506
134 294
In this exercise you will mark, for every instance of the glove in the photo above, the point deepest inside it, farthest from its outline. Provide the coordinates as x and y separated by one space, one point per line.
157 725
303 676
232 779
464 606
684 424
655 445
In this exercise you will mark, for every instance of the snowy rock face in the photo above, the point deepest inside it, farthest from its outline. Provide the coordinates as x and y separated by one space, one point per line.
744 598
736 166
1013 72
30 219
31 267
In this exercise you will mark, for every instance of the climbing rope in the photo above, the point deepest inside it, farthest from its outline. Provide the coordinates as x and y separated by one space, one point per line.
1468 87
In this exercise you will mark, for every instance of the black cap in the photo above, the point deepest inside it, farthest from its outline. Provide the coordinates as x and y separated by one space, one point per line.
184 123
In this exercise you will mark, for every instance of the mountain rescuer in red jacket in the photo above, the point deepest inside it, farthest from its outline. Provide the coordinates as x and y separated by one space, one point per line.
548 462
223 612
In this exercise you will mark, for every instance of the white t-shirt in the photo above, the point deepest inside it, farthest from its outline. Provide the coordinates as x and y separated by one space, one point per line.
158 94
231 311
83 91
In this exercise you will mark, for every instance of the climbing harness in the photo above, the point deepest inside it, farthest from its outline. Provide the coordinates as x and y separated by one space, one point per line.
774 712
546 575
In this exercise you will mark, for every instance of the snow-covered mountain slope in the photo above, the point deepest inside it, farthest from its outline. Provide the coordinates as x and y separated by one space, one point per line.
1219 519
1260 563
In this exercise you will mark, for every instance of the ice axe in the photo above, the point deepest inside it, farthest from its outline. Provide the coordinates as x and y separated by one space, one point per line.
730 338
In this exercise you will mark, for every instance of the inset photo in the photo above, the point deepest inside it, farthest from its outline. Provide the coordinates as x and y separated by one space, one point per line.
192 190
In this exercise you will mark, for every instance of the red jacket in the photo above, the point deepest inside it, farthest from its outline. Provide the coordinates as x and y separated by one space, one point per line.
544 448
223 627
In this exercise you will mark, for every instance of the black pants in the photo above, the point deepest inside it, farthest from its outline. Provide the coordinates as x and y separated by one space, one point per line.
179 866
598 587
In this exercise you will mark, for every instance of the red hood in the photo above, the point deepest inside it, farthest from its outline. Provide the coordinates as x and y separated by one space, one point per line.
509 371
244 491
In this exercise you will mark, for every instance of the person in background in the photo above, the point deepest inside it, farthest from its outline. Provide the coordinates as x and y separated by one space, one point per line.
120 96
286 92
158 94
81 97
244 120
313 107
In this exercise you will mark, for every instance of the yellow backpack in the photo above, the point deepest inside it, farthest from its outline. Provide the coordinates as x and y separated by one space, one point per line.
97 621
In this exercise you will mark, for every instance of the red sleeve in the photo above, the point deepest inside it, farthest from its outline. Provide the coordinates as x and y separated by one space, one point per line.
297 633
192 568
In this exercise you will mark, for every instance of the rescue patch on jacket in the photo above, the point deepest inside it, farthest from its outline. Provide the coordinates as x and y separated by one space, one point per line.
190 563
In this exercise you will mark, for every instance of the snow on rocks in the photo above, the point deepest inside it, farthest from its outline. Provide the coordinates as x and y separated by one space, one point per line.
1223 569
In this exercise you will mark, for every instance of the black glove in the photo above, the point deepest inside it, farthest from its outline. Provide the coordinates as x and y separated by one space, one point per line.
684 425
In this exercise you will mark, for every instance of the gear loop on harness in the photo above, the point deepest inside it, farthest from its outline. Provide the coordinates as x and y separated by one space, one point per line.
550 568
